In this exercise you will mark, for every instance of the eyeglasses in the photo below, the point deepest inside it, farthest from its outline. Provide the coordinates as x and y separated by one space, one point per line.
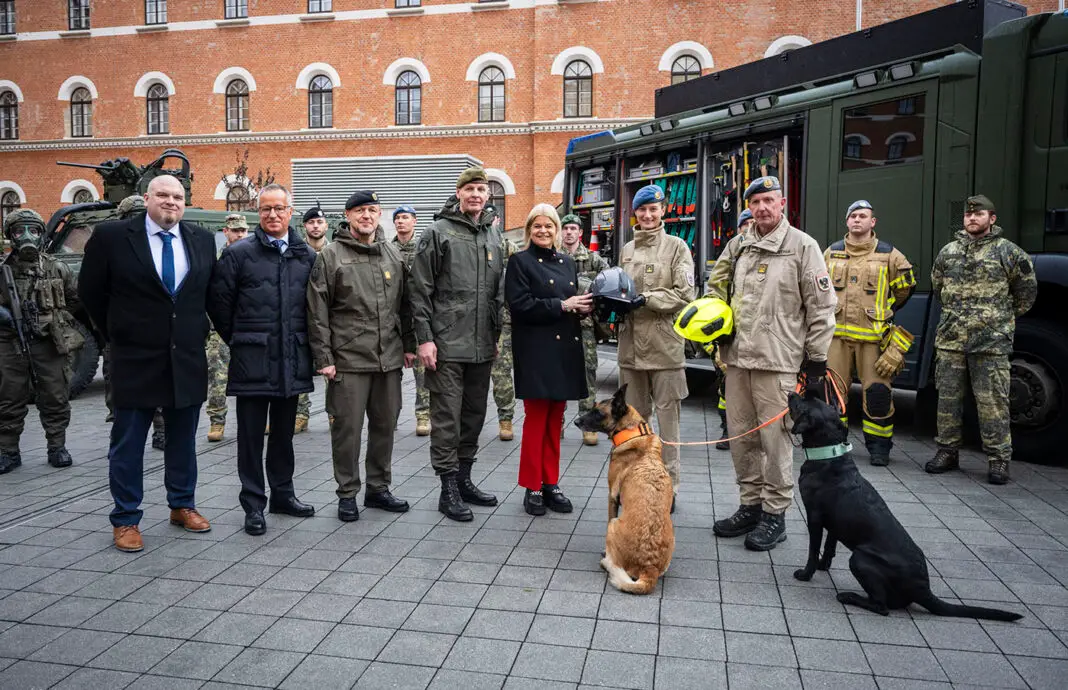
267 210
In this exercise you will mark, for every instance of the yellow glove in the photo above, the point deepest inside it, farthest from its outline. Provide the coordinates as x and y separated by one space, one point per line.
896 343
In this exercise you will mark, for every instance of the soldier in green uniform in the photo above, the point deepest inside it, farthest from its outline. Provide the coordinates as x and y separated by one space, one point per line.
404 222
984 282
130 206
501 374
234 228
315 227
47 291
589 264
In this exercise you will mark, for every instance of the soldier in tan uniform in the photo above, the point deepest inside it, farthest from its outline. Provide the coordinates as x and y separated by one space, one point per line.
776 283
871 280
651 354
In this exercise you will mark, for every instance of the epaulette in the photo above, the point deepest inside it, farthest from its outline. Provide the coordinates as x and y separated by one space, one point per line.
883 247
837 246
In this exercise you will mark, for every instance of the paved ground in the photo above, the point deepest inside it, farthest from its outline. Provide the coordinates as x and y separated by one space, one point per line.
505 601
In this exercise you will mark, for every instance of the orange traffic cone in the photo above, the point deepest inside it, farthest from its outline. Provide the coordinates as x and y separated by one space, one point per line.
594 244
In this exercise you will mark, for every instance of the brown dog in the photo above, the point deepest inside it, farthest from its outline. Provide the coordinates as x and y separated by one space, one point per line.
639 543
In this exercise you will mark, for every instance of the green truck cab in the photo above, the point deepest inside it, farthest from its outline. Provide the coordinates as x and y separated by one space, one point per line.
914 116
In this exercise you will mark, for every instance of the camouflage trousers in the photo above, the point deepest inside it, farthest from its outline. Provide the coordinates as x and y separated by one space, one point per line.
989 377
158 426
501 376
218 366
422 395
589 354
304 406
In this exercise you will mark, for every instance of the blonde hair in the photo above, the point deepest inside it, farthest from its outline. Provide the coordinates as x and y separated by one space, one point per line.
542 210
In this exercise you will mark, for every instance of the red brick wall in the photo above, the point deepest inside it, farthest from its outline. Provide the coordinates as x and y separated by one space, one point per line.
618 30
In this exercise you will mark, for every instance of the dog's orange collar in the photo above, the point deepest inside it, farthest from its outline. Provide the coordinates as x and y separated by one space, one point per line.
622 437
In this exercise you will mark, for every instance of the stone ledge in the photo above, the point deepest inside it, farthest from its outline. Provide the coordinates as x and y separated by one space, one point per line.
489 5
318 17
78 33
405 11
227 23
152 28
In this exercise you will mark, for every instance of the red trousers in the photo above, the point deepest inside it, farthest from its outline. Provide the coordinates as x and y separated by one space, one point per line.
539 457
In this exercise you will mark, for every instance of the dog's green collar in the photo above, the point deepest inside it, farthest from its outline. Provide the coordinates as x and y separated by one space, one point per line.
828 452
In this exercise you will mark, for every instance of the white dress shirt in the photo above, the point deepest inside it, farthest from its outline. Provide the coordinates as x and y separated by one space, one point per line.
155 245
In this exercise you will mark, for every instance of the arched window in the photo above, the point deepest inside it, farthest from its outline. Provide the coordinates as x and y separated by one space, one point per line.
578 89
9 115
321 102
496 190
491 95
685 68
237 106
8 202
159 109
895 149
81 113
238 198
82 196
409 99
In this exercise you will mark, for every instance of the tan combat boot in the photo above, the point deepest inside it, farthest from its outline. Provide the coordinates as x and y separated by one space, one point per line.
422 426
301 425
505 430
589 438
215 433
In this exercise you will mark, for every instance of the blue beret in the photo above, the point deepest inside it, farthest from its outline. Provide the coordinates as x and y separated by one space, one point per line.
761 185
744 217
364 197
860 203
404 209
648 194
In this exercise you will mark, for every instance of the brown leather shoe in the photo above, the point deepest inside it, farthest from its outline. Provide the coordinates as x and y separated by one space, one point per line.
190 519
128 538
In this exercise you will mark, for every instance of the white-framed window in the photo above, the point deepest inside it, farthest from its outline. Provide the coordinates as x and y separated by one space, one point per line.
578 89
237 106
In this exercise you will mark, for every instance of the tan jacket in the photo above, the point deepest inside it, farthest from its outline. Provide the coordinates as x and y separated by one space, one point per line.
662 269
781 296
870 279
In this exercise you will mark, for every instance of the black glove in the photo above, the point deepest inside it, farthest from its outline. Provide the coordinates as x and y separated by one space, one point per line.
815 379
637 302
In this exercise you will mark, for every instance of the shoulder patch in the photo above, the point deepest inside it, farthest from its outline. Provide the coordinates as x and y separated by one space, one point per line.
883 247
838 246
839 255
823 281
1025 266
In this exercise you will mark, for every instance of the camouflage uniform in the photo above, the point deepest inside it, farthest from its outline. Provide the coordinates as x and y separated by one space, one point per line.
218 365
983 284
501 375
422 395
588 264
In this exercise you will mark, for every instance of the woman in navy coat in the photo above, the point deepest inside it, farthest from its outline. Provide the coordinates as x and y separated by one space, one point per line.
540 287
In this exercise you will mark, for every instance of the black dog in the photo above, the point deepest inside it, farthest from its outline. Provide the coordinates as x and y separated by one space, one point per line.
886 562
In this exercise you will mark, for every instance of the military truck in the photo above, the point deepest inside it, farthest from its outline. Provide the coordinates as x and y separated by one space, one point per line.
71 226
913 115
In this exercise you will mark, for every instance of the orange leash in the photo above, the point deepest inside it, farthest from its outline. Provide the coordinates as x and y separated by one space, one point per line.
840 403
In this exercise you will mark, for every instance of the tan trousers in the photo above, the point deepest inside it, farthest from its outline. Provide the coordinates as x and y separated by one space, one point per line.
662 391
844 357
763 461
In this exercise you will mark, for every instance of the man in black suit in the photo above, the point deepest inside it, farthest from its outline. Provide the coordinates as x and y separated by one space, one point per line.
258 307
144 282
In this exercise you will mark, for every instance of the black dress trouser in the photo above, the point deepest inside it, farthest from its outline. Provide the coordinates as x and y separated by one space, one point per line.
252 414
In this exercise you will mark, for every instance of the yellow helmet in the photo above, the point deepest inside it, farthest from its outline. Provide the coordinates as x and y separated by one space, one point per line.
705 319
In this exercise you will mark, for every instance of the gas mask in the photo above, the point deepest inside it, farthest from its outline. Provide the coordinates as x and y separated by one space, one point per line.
26 239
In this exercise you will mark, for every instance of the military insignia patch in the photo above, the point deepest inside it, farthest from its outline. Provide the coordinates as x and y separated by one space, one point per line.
762 268
388 276
689 278
374 196
852 279
768 183
649 268
839 255
823 282
489 256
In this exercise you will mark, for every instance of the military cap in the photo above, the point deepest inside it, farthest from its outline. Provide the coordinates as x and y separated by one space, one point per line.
859 204
131 204
236 221
570 219
768 183
312 213
979 202
404 209
23 215
472 174
648 194
364 197
744 217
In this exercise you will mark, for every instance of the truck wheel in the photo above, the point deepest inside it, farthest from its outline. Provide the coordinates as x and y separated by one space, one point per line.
85 362
1036 394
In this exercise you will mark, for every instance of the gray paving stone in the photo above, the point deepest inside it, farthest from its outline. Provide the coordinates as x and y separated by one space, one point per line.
178 622
400 588
324 607
439 619
96 678
1014 639
269 602
420 648
450 679
218 597
771 650
77 647
620 636
245 574
380 612
296 579
697 614
455 593
325 672
63 582
903 662
114 585
672 674
123 616
583 604
294 635
830 680
616 669
562 630
624 607
692 643
264 667
549 662
976 668
819 624
21 640
201 660
499 625
348 641
1041 674
517 683
475 573
163 591
753 677
511 598
135 653
889 630
150 682
383 676
482 655
19 606
754 619
69 611
31 675
831 655
232 628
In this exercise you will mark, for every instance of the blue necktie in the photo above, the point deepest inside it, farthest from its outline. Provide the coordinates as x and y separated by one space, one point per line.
278 245
167 272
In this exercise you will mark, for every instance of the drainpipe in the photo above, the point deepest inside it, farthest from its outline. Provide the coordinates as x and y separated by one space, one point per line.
860 13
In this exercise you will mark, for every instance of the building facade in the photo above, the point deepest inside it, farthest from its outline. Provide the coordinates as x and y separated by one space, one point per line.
271 82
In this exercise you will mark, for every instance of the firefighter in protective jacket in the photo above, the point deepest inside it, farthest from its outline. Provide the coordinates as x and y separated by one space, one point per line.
872 279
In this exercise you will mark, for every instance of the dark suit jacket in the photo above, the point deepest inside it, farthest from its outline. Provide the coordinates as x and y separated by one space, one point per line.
157 342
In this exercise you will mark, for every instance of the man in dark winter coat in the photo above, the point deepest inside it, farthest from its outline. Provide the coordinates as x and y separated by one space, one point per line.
144 282
258 307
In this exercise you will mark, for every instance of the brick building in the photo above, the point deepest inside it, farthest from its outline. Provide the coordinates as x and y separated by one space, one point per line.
506 82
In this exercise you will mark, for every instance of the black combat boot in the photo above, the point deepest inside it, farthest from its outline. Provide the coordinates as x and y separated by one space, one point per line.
879 451
555 499
9 460
347 511
386 501
721 444
59 457
742 522
945 459
451 503
468 491
999 471
769 531
534 502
